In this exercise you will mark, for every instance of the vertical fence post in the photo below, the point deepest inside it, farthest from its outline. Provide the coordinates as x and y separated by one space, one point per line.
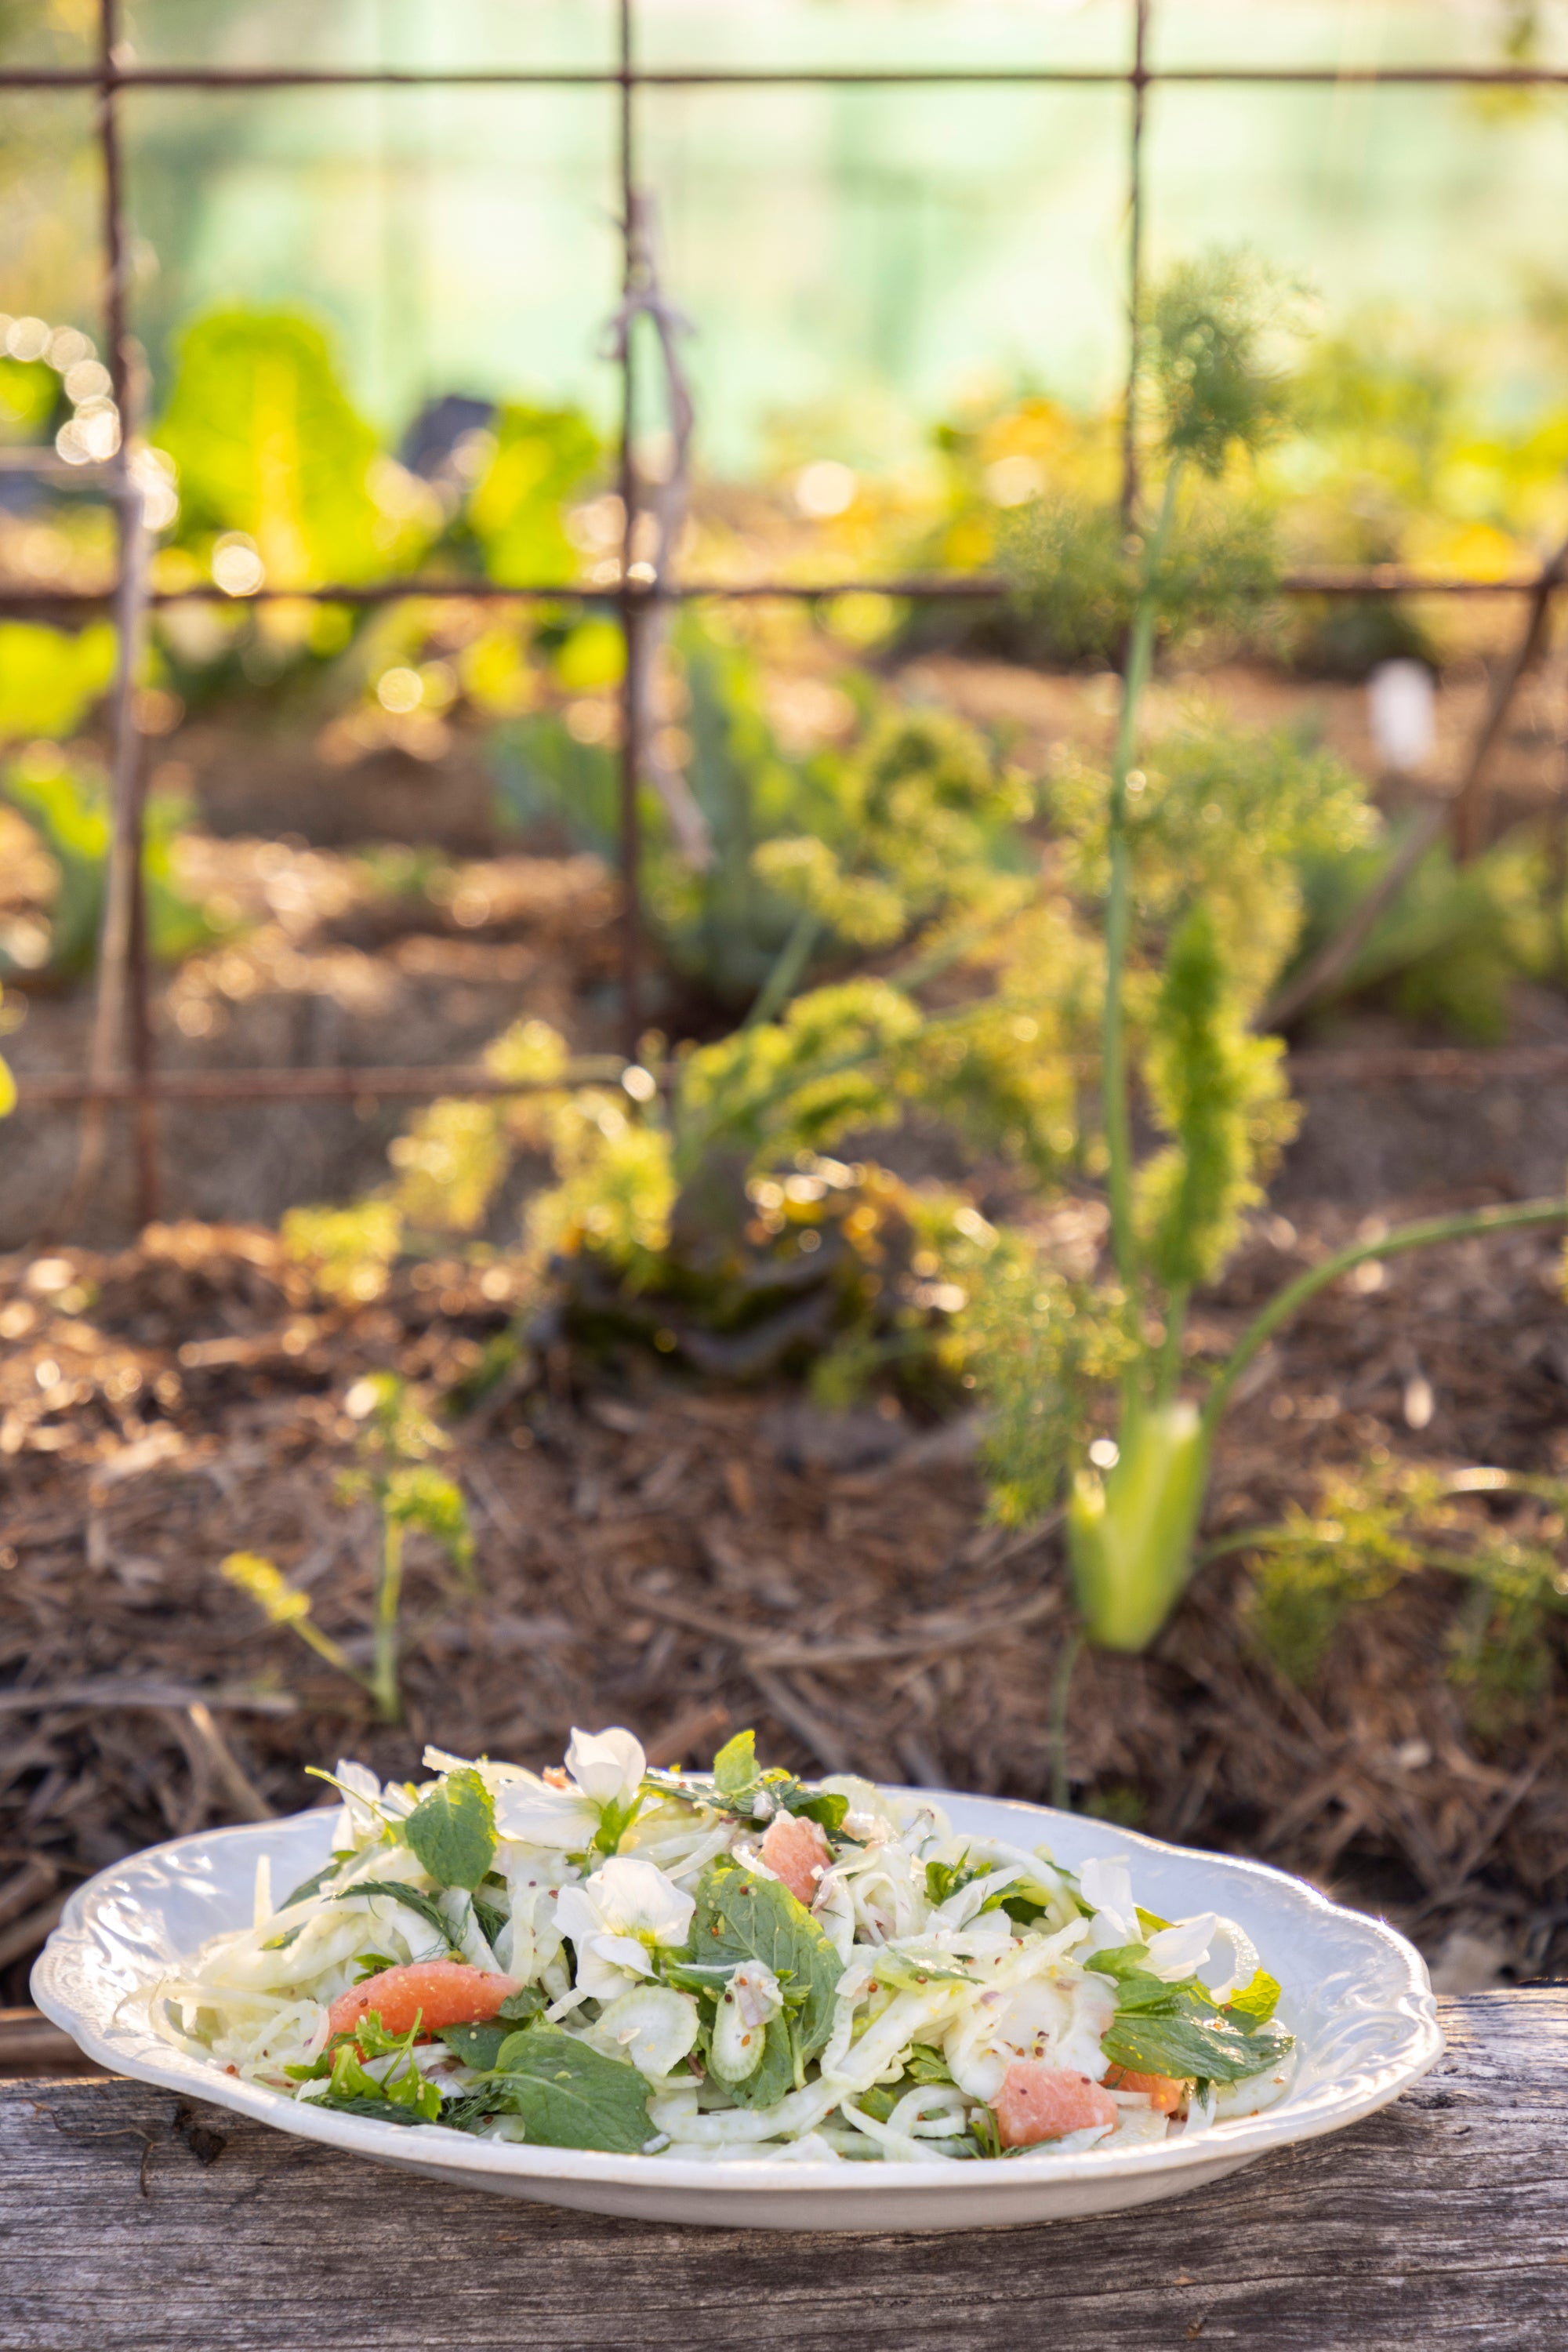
122 1027
631 613
1138 82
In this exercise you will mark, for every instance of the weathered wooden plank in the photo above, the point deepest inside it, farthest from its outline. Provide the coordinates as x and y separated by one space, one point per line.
132 2222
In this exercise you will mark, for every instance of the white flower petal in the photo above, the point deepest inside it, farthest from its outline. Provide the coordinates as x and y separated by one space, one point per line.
532 1814
1179 1951
636 1895
361 1792
1107 1887
607 1766
621 1952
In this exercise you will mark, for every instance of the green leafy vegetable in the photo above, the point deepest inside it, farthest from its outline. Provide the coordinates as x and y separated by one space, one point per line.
518 2006
425 1905
452 1829
1257 2000
403 2096
568 2094
491 1920
317 1880
741 1916
476 2046
735 1766
1149 2043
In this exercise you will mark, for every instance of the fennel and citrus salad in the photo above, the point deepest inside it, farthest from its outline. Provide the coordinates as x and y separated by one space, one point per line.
724 1967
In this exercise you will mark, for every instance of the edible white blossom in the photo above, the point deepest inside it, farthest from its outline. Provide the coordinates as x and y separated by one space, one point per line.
1174 1952
603 1771
1180 1951
607 1766
361 1793
1106 1888
616 1916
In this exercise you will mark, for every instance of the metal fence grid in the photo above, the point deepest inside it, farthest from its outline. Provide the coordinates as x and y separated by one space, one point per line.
122 1064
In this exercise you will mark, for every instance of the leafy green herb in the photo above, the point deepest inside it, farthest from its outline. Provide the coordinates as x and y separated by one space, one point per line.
371 1964
381 2110
1147 2042
1174 2028
425 1905
1256 2001
742 1916
318 1879
452 1829
567 2094
826 1807
491 1921
404 2091
518 2006
735 1766
476 2046
925 2065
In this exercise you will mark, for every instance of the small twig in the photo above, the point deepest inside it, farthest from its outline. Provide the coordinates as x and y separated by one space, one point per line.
119 2131
113 1692
26 1934
792 1712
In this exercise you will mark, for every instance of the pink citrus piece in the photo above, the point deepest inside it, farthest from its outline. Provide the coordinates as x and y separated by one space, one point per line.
1038 2102
795 1850
432 1993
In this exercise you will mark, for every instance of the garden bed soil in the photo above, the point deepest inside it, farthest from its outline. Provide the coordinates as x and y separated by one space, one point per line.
687 1562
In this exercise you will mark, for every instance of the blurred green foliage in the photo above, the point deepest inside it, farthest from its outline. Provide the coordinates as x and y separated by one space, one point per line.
542 458
266 442
1497 1538
66 804
49 679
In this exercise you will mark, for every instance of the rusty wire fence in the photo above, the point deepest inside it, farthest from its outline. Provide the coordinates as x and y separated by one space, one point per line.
123 1067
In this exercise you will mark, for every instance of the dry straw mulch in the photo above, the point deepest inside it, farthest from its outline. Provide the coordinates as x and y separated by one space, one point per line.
686 1562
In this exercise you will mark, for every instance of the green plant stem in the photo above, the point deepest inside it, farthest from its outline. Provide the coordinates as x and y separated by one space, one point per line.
1170 1351
1061 1690
1118 898
325 1647
388 1595
1295 1295
788 967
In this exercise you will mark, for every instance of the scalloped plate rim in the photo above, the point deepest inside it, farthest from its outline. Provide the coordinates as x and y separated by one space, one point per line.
892 2194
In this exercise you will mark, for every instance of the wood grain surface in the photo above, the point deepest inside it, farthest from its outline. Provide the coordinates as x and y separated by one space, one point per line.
131 2221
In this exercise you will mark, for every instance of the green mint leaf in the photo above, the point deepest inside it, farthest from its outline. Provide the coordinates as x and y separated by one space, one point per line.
568 2094
1255 2004
827 1808
735 1766
1186 2048
1118 1960
742 1916
452 1829
371 1964
520 2006
476 2046
425 1905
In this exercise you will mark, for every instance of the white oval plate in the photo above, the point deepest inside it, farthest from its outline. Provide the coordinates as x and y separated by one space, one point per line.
1356 1994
